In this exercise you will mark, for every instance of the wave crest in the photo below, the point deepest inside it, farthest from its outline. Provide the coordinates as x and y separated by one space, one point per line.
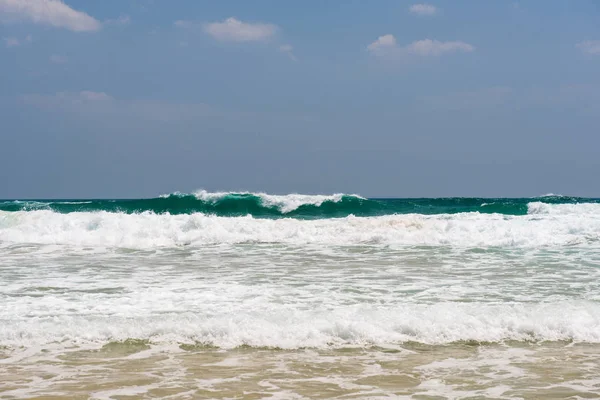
284 203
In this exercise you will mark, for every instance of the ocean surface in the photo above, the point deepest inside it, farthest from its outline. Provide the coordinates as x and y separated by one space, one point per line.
249 295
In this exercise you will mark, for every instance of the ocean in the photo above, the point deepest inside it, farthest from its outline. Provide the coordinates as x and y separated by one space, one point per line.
250 295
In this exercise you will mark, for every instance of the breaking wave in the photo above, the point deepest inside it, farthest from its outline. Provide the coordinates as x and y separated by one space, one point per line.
287 327
261 205
545 225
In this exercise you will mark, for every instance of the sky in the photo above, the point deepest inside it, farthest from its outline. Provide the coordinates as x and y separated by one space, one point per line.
393 98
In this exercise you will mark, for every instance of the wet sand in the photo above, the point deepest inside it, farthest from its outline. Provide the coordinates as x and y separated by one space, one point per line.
138 370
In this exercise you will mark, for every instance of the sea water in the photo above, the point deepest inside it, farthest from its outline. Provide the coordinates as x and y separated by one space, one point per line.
244 295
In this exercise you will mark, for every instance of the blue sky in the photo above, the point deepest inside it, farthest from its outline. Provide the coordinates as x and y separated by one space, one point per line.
130 98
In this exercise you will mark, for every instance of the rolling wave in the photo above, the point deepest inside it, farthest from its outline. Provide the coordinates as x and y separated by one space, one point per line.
261 205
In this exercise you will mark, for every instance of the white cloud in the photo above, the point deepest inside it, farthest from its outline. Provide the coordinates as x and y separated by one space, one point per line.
589 46
386 46
382 42
235 30
423 9
48 12
288 49
57 59
14 42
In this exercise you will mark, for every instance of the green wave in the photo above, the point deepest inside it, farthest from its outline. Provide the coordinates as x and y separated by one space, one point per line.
263 206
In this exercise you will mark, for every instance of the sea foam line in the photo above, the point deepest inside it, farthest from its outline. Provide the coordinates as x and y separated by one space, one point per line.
286 327
548 225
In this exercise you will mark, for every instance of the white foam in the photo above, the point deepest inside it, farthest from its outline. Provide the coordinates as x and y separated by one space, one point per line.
287 296
564 209
284 203
547 225
285 326
292 202
551 195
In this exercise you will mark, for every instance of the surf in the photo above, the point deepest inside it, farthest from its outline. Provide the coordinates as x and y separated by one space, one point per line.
299 206
550 225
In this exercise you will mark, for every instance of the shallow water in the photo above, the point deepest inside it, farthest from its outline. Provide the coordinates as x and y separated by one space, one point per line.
138 370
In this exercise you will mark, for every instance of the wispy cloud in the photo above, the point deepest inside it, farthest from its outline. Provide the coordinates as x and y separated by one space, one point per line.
180 23
580 97
14 42
289 50
122 20
428 47
88 95
48 12
423 9
57 59
11 41
469 100
235 30
89 103
589 46
96 105
386 46
65 98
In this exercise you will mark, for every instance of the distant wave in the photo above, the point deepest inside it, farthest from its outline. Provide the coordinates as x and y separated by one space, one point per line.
219 203
282 204
300 206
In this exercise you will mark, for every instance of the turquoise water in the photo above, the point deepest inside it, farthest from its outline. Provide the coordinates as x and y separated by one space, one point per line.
270 206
